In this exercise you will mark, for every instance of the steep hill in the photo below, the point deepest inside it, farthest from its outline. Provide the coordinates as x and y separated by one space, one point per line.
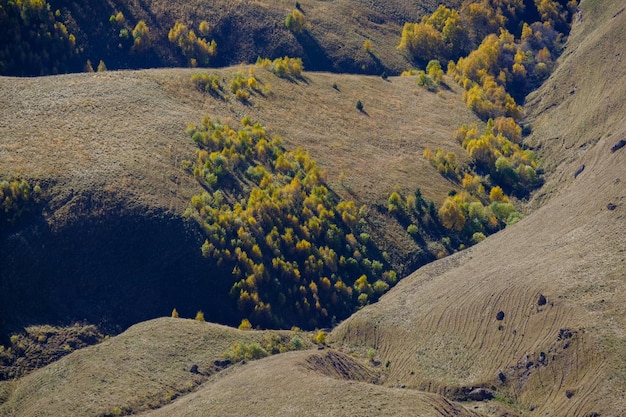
534 314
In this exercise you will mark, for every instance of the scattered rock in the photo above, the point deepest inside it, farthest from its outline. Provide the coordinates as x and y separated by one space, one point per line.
480 394
193 369
500 315
501 376
532 407
611 206
542 358
619 145
222 364
579 170
542 300
565 334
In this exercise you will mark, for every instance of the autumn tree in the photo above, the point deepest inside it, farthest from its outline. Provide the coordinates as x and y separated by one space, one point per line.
197 50
296 21
142 40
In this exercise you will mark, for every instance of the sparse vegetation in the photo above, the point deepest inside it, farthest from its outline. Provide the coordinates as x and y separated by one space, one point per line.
271 344
207 83
286 67
38 346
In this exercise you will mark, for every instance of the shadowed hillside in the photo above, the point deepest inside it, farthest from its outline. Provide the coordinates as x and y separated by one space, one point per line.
136 34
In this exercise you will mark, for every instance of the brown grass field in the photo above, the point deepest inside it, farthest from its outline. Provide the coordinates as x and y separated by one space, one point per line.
433 337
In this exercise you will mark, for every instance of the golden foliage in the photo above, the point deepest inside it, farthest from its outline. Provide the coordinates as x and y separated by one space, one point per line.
289 244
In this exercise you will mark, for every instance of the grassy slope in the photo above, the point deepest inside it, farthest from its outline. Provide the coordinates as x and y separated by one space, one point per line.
439 327
143 368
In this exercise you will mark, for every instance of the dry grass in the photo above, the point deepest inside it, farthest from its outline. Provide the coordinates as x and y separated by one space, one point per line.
145 367
438 327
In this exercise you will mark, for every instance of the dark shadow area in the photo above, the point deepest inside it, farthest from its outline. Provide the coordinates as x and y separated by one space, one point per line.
113 272
315 58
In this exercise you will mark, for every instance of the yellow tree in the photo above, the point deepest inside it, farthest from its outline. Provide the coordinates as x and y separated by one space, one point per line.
451 214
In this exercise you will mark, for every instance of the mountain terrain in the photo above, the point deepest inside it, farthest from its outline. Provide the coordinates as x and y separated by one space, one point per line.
527 322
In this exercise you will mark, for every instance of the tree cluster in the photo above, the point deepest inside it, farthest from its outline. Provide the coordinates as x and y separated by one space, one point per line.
34 39
296 255
296 21
197 50
499 56
507 163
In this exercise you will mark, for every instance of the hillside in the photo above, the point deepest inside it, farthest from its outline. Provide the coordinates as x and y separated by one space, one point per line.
107 150
243 30
439 327
534 314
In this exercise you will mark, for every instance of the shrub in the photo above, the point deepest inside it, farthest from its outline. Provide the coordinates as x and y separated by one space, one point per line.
478 237
296 342
207 83
371 354
242 95
199 316
283 67
296 21
17 198
359 105
245 325
245 351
